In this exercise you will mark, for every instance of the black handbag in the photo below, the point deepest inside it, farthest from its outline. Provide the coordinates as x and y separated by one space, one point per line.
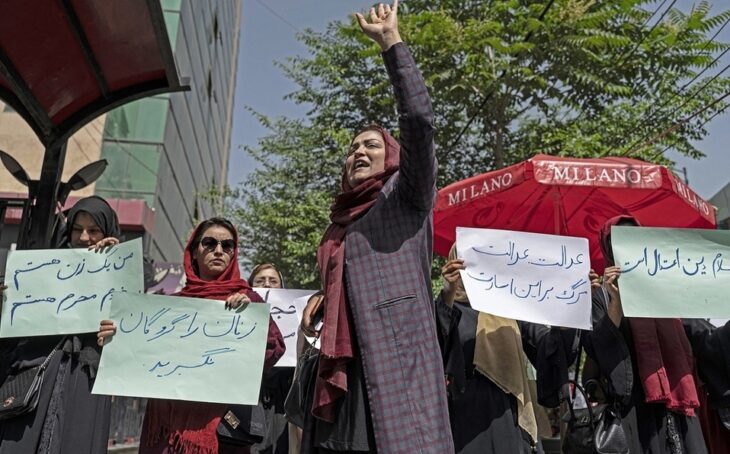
243 425
596 429
20 392
302 387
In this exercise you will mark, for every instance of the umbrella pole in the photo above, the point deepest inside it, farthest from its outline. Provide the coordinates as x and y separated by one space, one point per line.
557 210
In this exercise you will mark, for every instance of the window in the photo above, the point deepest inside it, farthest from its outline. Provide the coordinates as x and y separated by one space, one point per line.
132 171
142 120
171 5
209 84
215 30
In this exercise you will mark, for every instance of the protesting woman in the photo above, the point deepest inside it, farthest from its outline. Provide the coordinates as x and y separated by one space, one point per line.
646 365
711 346
490 400
211 272
380 384
68 418
276 382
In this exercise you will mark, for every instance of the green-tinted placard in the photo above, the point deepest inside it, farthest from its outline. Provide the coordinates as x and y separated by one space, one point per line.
169 347
65 291
673 273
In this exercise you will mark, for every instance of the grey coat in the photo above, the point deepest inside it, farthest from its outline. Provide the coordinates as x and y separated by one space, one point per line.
388 255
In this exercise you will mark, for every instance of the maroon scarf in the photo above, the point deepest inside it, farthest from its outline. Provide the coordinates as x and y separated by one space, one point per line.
190 427
663 352
336 338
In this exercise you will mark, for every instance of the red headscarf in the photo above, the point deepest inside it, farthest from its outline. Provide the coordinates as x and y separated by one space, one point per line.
190 427
336 348
663 352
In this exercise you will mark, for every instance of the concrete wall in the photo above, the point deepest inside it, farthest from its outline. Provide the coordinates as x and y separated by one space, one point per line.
19 140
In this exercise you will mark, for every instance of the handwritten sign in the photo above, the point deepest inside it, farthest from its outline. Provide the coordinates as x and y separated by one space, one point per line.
673 273
184 349
287 306
65 291
527 276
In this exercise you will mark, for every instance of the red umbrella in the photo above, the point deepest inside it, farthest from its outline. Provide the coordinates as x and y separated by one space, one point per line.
572 197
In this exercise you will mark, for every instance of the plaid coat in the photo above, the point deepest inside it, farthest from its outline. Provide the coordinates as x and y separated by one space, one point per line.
387 272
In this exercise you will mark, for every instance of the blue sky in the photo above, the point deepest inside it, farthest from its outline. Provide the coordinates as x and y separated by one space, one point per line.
268 34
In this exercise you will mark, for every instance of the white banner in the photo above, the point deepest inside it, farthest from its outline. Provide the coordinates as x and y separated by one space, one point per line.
287 306
527 276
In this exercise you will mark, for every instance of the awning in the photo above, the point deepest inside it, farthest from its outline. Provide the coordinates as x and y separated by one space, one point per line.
65 62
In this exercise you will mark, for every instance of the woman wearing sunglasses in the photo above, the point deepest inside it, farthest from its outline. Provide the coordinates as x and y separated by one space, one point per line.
211 272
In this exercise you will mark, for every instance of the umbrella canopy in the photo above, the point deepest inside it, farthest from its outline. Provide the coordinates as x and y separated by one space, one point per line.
572 197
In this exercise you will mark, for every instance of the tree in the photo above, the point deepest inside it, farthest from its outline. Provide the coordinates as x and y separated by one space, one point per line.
508 78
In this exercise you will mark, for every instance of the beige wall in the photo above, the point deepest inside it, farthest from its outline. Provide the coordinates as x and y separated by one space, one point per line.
18 140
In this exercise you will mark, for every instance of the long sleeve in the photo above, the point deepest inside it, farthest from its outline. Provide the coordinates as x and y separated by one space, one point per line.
447 324
275 346
607 346
551 351
711 348
417 181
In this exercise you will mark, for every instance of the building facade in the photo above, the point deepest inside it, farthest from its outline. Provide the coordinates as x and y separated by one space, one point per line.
168 151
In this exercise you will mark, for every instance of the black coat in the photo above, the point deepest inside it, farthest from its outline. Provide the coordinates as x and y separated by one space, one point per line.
650 428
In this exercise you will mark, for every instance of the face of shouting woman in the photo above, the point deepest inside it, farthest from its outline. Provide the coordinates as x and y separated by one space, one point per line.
365 158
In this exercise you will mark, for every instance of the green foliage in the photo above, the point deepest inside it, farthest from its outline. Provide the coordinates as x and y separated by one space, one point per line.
595 78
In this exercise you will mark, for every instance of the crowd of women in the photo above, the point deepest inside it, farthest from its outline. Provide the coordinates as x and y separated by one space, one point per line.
393 369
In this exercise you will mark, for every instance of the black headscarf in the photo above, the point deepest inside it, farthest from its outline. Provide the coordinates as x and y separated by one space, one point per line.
100 211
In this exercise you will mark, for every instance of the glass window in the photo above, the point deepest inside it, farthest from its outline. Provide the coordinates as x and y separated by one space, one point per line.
142 120
172 22
173 5
132 171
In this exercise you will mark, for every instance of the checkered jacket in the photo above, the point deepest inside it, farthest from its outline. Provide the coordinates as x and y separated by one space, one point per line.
387 271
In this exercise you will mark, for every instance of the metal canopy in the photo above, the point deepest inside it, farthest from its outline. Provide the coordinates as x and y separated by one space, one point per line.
65 62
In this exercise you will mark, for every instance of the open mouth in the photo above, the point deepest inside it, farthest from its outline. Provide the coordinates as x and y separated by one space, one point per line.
360 164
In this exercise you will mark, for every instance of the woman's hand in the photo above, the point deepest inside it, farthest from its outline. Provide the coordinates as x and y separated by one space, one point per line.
313 307
383 26
106 329
106 242
451 275
610 281
237 299
594 278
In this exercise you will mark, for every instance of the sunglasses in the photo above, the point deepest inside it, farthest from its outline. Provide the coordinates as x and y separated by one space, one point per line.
210 244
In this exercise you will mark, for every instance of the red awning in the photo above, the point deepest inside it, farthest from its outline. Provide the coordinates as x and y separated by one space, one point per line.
134 214
65 62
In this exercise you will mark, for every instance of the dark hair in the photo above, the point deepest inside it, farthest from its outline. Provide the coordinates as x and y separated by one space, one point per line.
371 127
208 223
265 266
